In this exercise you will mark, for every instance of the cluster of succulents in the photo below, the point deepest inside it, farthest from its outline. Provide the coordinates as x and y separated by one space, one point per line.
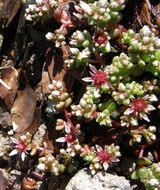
58 100
86 107
58 37
143 48
40 9
97 157
120 93
27 145
141 132
101 12
149 176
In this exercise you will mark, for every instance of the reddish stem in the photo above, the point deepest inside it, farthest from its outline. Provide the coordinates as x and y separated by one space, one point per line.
68 116
140 155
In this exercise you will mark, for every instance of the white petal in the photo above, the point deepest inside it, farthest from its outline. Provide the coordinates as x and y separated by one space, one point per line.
87 79
144 116
128 111
93 69
105 165
74 51
41 167
49 36
14 140
61 139
96 93
23 156
150 108
39 2
98 148
14 152
86 8
115 159
152 129
67 128
152 98
93 172
134 121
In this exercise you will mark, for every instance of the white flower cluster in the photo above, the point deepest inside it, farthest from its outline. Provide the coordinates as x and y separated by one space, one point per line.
145 40
57 37
41 8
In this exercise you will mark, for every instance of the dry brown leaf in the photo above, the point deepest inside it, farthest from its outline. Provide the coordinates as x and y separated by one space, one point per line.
1 4
57 70
28 183
36 121
48 138
8 85
45 82
145 12
23 109
9 10
34 125
157 11
3 180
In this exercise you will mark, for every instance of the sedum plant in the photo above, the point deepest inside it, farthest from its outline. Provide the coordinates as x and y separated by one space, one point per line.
40 9
149 176
119 70
101 12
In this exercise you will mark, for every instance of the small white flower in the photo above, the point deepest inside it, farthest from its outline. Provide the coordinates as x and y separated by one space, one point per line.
141 107
83 103
121 87
86 8
152 98
146 40
59 84
154 182
55 93
44 9
41 167
133 121
145 31
50 36
156 63
74 51
152 129
157 43
138 138
20 148
39 2
31 7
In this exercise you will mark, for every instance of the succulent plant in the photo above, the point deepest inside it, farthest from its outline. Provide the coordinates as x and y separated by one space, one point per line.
119 70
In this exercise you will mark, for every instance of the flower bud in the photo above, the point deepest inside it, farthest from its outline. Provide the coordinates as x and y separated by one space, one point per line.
41 167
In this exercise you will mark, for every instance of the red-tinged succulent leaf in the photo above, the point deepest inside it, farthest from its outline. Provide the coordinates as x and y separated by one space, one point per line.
8 85
23 109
